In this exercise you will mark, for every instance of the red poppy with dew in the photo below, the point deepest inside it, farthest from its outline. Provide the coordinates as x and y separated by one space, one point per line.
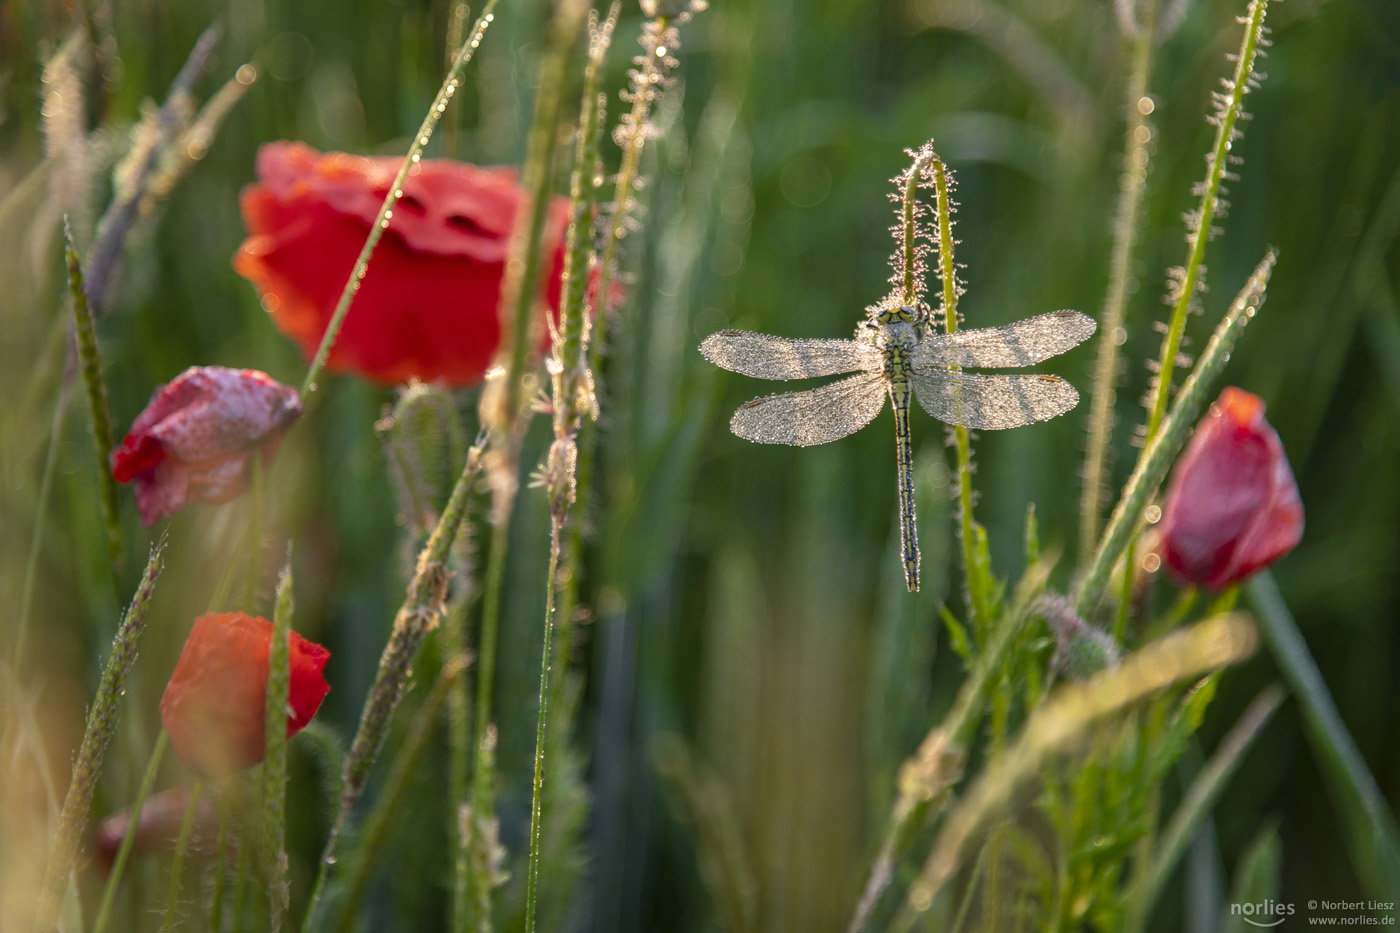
428 305
193 441
213 705
1232 506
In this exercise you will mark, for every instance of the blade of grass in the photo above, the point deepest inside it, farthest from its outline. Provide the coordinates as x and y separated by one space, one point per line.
101 724
1371 829
1159 452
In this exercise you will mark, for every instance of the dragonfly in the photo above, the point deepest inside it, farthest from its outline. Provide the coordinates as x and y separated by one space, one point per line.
895 355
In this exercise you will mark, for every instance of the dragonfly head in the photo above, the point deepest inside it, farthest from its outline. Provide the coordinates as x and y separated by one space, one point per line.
904 314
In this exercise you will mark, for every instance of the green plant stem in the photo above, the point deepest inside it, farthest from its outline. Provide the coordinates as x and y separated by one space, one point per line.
274 769
1375 839
1159 452
532 879
101 724
968 531
381 222
381 820
148 780
177 867
1137 138
1196 804
1227 115
927 778
1066 715
100 409
502 411
418 615
570 379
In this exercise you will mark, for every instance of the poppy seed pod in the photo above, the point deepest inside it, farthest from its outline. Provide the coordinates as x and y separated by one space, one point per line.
428 306
1232 506
213 705
192 442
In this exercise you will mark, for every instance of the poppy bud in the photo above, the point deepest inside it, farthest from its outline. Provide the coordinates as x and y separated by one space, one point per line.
1232 506
213 705
192 442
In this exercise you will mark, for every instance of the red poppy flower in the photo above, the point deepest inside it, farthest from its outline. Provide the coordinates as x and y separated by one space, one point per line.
428 305
1233 505
213 705
192 442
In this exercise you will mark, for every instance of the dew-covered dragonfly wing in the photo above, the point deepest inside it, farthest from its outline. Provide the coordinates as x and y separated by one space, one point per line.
765 357
1009 347
817 416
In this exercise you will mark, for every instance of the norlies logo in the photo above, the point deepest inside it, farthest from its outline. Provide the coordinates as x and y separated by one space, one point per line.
1267 913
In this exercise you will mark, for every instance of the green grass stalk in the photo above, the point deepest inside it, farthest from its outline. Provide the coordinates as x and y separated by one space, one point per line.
572 400
90 362
148 780
503 413
1157 456
1229 106
381 222
274 769
1137 139
101 724
973 567
177 867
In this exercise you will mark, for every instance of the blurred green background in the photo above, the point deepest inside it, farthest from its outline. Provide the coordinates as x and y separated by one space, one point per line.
748 599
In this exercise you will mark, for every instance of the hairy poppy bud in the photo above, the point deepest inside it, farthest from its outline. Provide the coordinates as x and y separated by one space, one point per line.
213 705
1232 506
192 442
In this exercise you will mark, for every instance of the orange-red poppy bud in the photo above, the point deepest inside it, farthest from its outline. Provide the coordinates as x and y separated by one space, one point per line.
213 705
1232 506
192 442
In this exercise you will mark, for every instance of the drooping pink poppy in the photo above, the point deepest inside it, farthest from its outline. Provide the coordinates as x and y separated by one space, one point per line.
428 306
1232 506
213 706
192 442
